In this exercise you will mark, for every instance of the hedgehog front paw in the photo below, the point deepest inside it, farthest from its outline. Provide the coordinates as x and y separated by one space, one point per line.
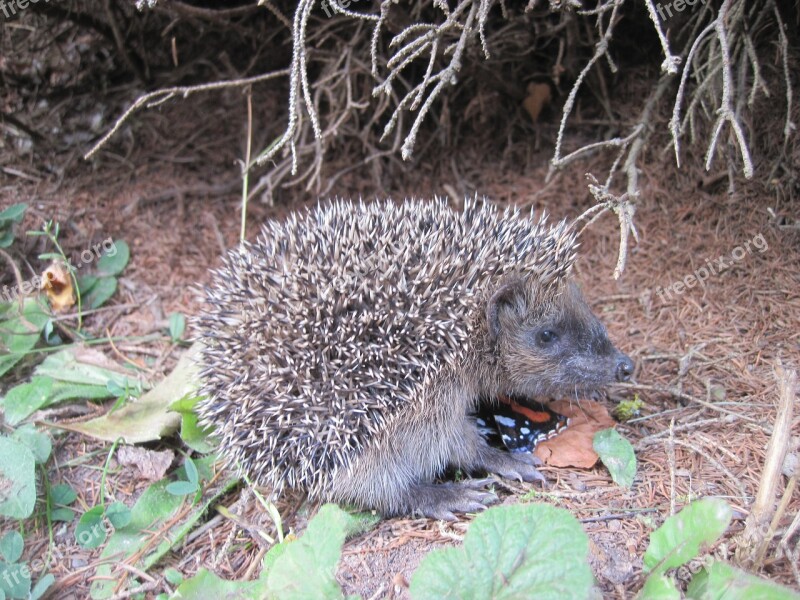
522 468
441 500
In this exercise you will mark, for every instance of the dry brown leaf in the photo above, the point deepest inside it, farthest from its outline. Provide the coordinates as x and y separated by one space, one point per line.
573 447
57 284
538 97
152 465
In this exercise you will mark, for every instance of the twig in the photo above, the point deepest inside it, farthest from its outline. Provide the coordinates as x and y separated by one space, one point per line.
161 96
752 543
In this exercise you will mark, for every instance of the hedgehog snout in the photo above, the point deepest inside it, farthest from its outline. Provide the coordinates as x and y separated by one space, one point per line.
624 368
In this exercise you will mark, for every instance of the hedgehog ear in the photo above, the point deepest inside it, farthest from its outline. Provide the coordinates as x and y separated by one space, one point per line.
507 295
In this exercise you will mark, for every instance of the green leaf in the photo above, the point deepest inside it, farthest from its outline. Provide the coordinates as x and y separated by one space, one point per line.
193 435
63 494
86 284
173 576
523 551
617 455
19 334
25 399
721 581
62 514
75 372
177 326
85 366
11 546
306 568
6 239
17 479
181 488
155 511
191 470
679 539
149 418
115 259
118 514
659 587
99 294
206 585
91 531
37 442
42 586
13 213
15 580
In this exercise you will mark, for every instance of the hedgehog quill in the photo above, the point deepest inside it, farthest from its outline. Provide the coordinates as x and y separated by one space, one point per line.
347 350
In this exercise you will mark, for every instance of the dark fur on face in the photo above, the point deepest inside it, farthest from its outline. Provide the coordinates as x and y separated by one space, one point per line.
549 346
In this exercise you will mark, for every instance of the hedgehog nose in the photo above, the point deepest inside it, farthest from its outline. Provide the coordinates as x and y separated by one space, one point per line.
624 369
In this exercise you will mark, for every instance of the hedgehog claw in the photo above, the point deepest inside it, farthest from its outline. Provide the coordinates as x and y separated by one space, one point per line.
440 501
511 467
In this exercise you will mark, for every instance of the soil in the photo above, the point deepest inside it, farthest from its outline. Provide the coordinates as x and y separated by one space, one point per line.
705 354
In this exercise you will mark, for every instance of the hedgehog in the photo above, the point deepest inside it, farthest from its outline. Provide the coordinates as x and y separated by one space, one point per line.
347 350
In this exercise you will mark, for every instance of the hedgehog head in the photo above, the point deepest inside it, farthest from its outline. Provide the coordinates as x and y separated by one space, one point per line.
548 342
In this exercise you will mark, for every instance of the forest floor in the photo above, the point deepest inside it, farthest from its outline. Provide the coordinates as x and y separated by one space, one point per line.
705 355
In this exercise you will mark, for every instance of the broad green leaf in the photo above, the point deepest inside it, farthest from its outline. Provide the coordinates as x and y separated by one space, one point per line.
19 333
11 546
193 435
42 586
25 399
523 551
181 488
14 212
721 581
6 239
86 284
617 455
37 442
177 326
115 260
91 531
659 587
99 294
62 514
306 568
149 418
679 539
63 494
205 585
155 511
191 471
17 479
173 576
15 580
118 514
76 372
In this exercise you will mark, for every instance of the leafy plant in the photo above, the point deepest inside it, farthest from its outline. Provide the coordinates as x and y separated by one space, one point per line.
97 289
298 569
19 455
8 218
190 485
15 577
523 551
617 455
20 332
177 326
75 372
680 539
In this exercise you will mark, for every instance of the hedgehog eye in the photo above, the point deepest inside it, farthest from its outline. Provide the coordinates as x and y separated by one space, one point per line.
546 337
